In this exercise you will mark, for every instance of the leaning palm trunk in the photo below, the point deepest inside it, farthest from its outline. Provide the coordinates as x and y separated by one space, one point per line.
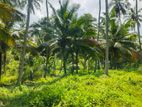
107 44
23 52
138 25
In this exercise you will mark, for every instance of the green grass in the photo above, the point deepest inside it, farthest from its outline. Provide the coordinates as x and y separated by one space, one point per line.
120 89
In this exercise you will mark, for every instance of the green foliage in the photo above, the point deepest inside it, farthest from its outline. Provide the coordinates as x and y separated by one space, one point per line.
120 89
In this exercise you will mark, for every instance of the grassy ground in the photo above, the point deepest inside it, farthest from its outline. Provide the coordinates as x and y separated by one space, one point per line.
120 89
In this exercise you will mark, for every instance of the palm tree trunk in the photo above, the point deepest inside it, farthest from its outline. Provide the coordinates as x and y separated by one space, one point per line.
23 52
64 65
47 11
31 75
99 17
138 25
85 64
64 59
4 61
47 53
72 55
46 70
77 60
95 68
107 44
99 27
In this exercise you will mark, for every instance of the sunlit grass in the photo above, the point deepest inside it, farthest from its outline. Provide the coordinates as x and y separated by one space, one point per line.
119 89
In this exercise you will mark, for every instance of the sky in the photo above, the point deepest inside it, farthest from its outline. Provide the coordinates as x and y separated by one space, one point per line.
86 6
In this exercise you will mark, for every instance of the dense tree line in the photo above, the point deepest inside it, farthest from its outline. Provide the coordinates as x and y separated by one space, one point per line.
68 40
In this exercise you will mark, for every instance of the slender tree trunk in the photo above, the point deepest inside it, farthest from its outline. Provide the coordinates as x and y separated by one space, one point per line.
99 22
47 53
95 68
99 27
64 65
54 62
64 60
4 61
138 25
23 51
85 64
61 65
107 44
46 70
47 11
77 61
31 75
72 62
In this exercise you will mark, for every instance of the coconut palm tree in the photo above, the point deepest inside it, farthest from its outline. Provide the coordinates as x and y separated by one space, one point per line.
120 7
31 5
63 19
122 41
132 16
71 31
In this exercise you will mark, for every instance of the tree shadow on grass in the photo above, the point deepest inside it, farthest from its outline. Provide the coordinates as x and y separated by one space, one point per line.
46 83
98 73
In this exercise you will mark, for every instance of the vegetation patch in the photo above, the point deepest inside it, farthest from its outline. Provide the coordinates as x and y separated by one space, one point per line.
77 91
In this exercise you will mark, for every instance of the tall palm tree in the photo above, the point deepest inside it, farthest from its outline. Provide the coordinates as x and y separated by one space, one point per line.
122 41
31 4
120 7
132 16
107 41
73 33
63 19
